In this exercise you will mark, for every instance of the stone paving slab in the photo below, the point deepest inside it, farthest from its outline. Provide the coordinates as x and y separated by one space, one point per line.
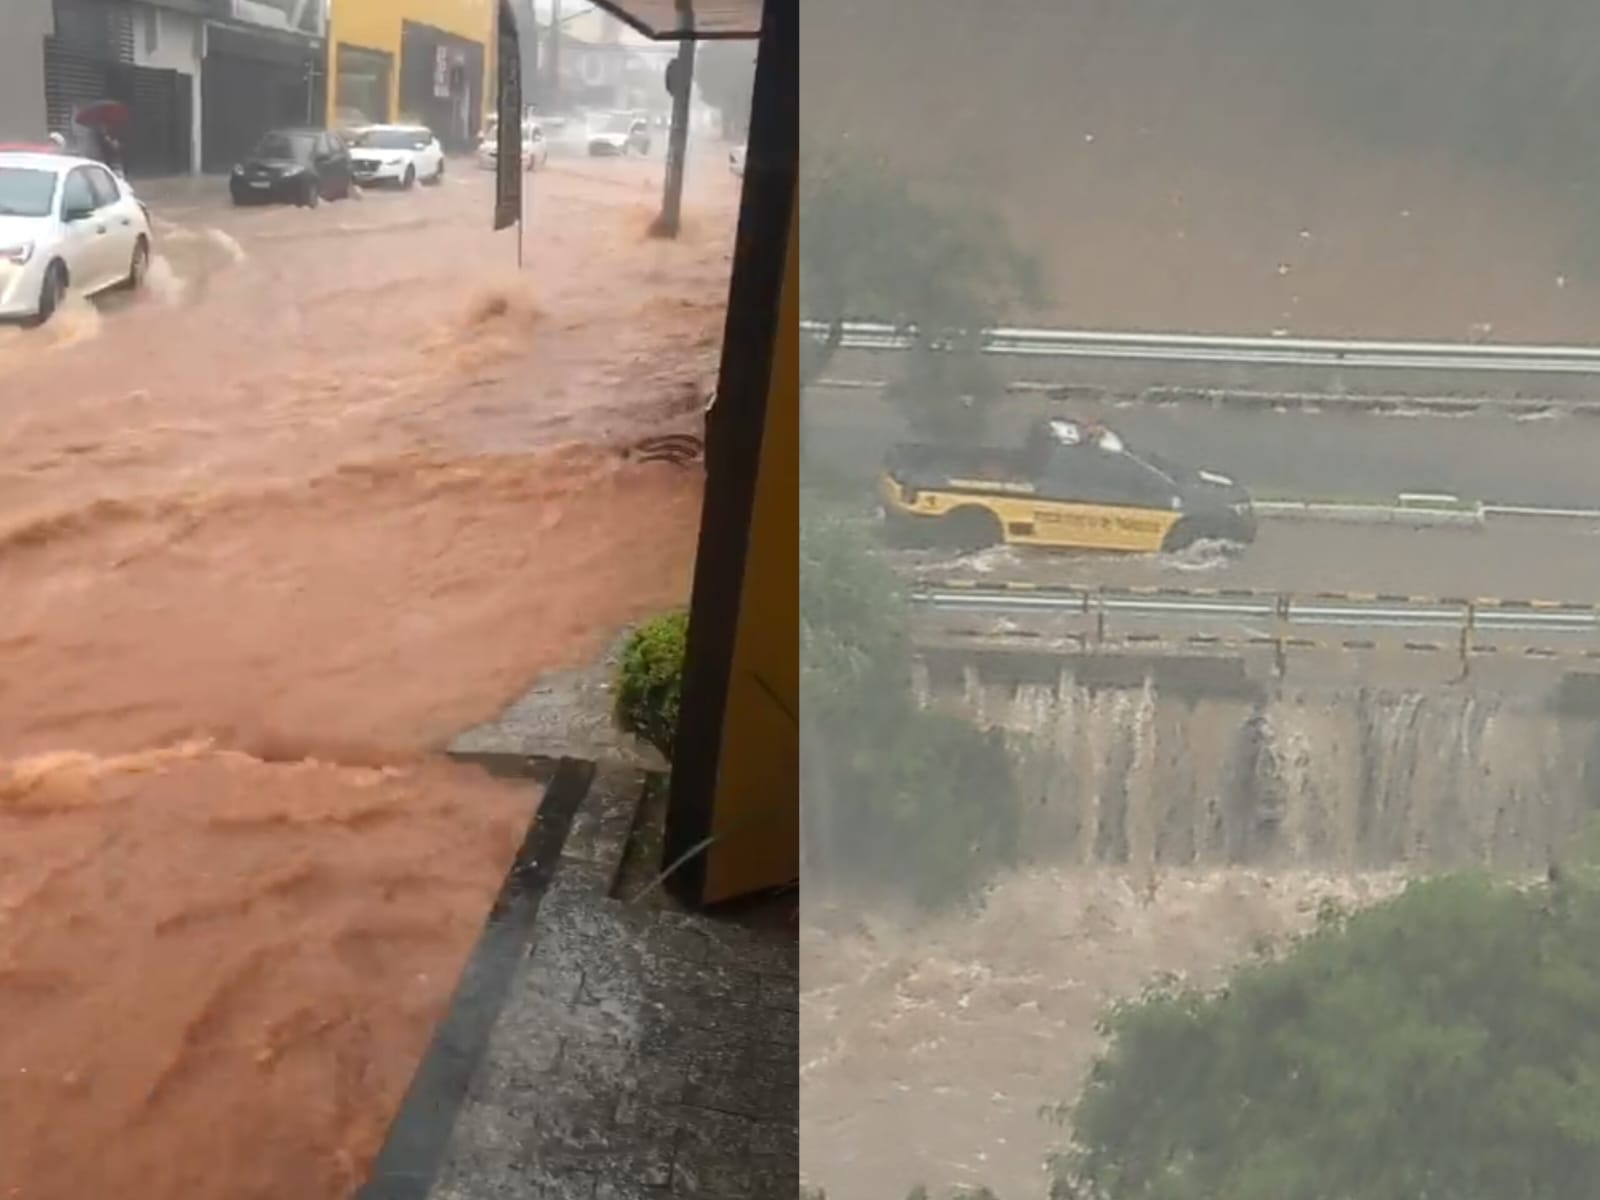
640 1053
564 713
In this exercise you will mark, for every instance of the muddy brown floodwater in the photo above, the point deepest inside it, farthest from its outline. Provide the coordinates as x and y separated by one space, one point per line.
343 483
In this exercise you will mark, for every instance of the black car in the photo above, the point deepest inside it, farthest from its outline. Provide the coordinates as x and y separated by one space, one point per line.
296 166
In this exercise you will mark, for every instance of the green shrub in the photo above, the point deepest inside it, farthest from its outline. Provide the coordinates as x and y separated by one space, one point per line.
650 680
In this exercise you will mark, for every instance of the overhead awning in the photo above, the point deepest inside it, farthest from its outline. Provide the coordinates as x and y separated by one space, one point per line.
684 20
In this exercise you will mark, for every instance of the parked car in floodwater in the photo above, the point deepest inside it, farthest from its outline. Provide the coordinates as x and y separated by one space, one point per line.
401 155
294 166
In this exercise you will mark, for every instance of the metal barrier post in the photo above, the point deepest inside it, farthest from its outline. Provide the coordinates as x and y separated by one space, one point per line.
1468 626
1280 651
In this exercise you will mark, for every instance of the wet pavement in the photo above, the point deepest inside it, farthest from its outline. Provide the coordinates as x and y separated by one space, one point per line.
636 1052
335 488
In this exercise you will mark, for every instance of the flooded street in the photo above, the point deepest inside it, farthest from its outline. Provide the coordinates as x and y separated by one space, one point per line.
340 484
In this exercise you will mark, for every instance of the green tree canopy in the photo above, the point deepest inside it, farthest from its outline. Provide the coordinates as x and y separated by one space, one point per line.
1443 1045
871 249
918 802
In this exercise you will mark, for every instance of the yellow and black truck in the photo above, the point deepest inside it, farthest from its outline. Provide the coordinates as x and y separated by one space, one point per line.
1069 485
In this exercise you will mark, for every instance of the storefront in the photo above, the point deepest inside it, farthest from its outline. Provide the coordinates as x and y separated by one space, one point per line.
253 81
22 113
412 60
441 83
101 51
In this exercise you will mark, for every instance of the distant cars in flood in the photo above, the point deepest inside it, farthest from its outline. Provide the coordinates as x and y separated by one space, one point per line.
296 166
401 155
66 223
615 135
535 146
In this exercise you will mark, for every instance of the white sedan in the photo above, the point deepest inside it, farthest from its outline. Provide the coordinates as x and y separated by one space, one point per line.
397 154
65 223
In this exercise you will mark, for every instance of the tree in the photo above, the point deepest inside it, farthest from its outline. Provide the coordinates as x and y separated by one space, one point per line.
917 802
726 75
1441 1045
871 250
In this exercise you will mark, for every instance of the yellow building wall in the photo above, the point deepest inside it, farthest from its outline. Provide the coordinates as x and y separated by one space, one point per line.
375 25
756 813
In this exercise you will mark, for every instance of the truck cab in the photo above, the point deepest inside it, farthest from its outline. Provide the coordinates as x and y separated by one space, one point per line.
1070 484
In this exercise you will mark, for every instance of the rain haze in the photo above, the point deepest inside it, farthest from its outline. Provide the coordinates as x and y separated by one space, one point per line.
1161 627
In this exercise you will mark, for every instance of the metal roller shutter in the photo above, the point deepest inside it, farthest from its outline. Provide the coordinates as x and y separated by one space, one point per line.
71 79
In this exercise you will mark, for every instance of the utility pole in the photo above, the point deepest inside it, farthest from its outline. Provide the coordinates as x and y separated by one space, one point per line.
680 83
553 102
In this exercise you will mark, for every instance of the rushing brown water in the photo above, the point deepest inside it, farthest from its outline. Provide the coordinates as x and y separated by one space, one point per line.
929 1048
343 484
1166 835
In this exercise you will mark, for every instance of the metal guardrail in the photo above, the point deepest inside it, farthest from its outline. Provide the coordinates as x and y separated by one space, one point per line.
1278 620
1240 351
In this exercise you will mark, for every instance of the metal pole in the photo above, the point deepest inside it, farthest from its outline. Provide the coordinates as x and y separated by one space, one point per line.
681 75
553 102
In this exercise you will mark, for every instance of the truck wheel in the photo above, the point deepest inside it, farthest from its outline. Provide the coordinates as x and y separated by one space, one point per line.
1185 534
904 533
969 529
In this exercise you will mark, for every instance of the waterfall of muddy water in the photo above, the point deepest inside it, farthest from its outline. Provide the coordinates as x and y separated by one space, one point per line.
1319 778
1165 834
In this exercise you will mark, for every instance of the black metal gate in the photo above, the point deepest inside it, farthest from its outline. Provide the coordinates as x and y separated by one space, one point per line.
251 84
72 79
441 83
159 139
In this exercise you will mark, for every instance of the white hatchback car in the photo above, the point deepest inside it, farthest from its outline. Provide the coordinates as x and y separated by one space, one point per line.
397 154
65 223
535 147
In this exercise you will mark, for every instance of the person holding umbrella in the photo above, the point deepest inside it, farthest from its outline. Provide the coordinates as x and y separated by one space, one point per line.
101 120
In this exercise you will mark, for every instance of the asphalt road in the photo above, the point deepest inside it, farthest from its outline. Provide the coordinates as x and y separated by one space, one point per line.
1343 455
1518 561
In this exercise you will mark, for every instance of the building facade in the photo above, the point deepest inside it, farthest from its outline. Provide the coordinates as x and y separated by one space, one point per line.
264 67
412 60
202 79
22 115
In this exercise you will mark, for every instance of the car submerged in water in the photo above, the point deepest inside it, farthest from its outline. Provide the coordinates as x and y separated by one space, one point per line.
1070 485
294 166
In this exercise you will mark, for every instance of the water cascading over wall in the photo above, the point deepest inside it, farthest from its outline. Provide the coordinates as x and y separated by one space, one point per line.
1335 777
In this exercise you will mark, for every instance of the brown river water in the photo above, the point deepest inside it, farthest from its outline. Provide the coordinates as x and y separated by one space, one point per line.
341 484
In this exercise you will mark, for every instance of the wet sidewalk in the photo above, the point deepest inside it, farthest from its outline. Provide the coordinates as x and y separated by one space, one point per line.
603 1050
